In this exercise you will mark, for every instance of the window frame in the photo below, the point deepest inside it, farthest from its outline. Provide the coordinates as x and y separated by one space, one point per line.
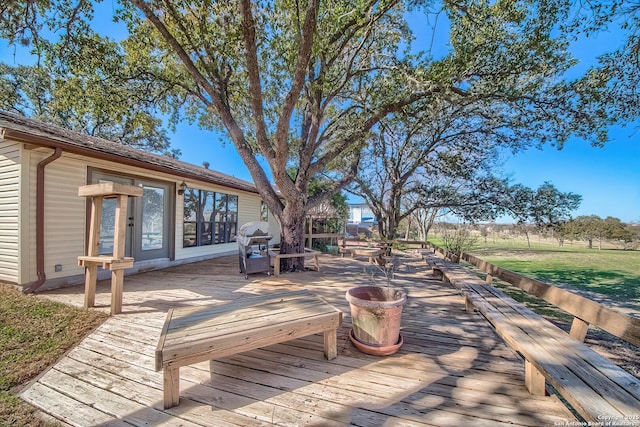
212 220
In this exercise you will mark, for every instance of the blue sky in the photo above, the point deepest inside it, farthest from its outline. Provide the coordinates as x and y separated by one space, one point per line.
608 178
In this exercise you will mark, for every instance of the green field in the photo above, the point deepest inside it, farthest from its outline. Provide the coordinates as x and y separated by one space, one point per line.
612 274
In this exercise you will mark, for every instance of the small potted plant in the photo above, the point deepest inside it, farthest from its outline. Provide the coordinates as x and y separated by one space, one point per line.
376 312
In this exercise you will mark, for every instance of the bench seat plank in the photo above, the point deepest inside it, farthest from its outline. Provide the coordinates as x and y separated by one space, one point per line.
224 321
195 315
204 347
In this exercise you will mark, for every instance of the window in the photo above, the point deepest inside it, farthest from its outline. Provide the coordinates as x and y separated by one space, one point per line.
209 218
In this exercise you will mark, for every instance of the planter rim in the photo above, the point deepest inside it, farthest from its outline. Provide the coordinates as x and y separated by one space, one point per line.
379 290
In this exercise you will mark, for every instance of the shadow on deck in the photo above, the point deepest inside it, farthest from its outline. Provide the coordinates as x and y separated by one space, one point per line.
452 370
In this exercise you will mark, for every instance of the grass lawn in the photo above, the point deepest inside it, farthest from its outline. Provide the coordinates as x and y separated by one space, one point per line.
34 333
614 274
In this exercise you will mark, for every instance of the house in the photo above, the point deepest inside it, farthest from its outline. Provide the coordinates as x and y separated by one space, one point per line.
360 213
361 220
186 214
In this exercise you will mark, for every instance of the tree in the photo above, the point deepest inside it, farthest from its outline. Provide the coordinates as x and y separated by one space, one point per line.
592 227
618 71
425 218
546 207
303 83
435 156
85 102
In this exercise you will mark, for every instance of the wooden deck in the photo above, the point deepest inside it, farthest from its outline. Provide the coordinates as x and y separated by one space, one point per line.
452 370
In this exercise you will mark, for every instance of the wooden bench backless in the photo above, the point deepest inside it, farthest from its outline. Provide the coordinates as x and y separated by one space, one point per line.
371 253
595 387
308 253
200 333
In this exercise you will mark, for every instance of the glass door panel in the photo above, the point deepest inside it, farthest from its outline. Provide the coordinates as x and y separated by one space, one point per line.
152 221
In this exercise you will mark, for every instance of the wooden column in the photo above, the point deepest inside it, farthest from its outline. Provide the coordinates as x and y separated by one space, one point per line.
534 380
91 270
331 344
116 262
119 239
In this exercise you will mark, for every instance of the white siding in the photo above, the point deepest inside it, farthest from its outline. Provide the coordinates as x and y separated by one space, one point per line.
10 156
64 215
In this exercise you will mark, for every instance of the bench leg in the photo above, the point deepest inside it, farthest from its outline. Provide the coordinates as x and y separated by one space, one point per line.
331 344
468 305
276 266
534 380
316 262
117 284
91 278
171 387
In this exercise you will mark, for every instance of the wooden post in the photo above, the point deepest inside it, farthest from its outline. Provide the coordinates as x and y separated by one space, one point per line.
488 279
93 245
119 239
468 305
579 329
331 344
171 387
120 226
534 380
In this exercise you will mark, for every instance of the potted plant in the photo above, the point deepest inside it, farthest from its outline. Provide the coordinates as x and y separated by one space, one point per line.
376 312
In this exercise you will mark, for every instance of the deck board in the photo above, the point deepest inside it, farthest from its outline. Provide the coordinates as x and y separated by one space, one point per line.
452 370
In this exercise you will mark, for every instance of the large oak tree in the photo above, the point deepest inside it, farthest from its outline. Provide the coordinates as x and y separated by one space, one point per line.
302 84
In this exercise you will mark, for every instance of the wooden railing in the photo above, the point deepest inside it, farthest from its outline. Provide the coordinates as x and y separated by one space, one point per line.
585 311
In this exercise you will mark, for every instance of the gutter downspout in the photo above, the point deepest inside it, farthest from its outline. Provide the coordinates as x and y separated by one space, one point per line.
42 277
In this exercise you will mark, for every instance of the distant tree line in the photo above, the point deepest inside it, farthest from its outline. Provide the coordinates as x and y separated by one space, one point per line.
592 229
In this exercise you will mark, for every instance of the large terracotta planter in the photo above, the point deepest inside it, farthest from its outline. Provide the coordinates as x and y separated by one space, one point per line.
375 314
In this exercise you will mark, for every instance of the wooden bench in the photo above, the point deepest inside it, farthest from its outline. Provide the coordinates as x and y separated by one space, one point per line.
595 387
308 253
200 333
371 253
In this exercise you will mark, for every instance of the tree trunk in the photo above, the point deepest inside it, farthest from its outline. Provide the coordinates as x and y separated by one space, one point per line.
408 230
292 236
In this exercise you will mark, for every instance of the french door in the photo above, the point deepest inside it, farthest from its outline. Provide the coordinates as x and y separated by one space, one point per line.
149 218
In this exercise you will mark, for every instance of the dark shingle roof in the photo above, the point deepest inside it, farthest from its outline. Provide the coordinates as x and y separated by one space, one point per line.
37 132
